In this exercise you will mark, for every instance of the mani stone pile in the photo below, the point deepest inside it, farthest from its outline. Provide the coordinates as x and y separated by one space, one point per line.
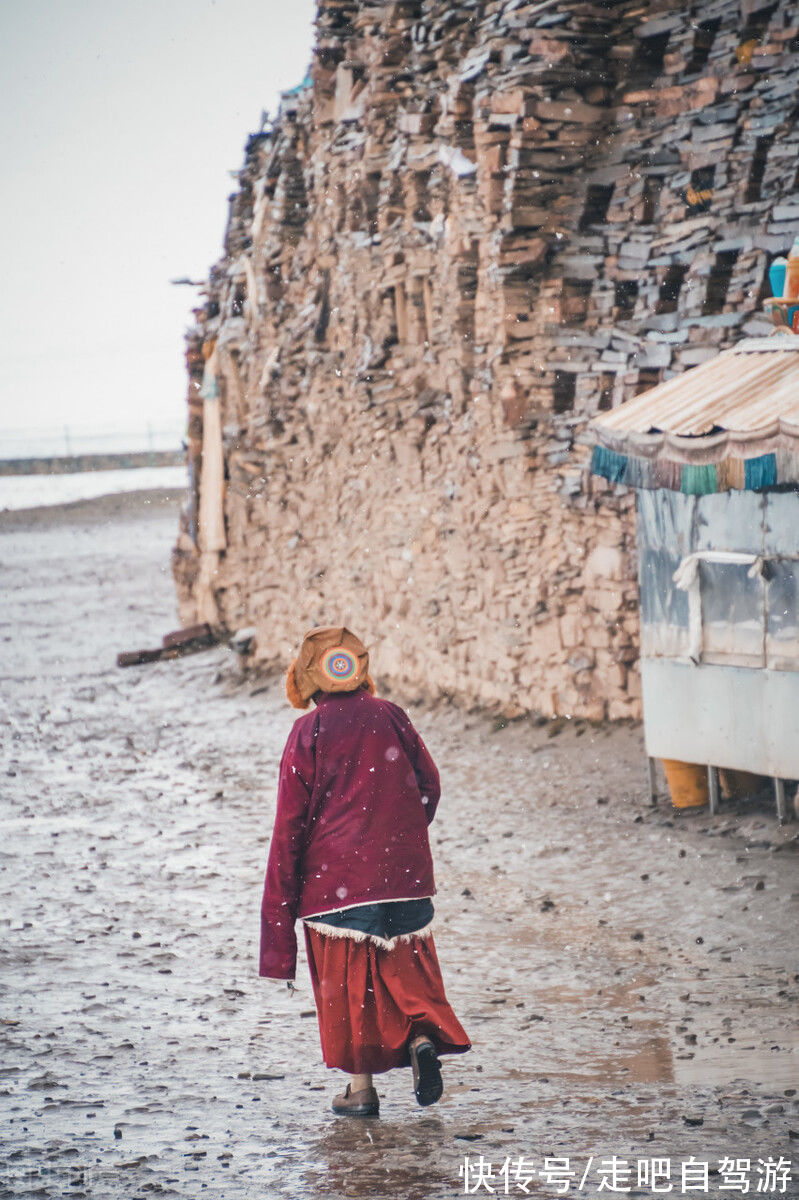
472 227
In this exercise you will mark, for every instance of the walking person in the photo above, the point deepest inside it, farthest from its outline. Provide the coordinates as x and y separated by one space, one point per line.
350 856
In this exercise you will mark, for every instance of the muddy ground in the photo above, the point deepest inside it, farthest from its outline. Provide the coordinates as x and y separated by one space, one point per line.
628 976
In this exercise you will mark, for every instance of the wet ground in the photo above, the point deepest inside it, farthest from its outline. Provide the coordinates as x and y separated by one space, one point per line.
628 976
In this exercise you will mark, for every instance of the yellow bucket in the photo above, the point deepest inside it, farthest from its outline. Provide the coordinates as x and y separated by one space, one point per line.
687 783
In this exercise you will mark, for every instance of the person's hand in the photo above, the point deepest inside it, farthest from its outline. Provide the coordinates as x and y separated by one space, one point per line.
288 984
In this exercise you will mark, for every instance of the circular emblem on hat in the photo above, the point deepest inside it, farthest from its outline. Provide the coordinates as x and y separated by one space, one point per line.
339 665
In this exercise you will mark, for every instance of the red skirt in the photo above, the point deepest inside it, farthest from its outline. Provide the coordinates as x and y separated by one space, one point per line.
372 1001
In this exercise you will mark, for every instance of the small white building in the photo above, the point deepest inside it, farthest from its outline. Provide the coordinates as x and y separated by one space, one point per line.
714 457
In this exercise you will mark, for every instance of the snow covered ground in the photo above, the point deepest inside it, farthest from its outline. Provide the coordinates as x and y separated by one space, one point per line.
35 491
628 976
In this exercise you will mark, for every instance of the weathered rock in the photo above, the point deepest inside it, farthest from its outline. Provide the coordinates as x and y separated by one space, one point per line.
441 260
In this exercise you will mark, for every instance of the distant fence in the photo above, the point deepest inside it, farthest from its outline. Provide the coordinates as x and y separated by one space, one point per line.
64 464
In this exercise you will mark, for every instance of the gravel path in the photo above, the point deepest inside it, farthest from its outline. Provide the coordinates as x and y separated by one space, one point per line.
628 977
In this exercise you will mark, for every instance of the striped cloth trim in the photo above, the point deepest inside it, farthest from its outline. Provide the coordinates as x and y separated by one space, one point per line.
696 479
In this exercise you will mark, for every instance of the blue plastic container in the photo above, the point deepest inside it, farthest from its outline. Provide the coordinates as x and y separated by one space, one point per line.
776 277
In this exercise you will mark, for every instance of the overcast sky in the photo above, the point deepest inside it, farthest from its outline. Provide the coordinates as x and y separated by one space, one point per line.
119 125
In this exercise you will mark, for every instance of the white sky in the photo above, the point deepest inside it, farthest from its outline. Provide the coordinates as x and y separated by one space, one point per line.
119 124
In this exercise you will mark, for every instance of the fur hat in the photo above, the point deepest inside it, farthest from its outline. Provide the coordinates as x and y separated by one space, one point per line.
331 659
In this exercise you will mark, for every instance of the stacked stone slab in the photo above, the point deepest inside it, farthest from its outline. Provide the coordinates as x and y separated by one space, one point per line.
475 226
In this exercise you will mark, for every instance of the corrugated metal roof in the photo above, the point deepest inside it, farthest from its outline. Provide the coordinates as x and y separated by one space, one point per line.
751 390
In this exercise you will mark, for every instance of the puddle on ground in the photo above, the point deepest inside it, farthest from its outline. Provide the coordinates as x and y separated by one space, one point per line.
714 1065
651 1063
708 1066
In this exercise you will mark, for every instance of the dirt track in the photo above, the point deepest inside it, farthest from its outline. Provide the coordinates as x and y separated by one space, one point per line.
628 978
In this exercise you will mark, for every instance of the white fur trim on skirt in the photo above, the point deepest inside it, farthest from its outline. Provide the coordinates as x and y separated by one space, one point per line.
358 935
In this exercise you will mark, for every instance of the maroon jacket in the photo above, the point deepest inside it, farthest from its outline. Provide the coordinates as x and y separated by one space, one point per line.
356 792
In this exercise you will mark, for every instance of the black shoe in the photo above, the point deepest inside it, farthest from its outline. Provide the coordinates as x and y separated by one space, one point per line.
427 1084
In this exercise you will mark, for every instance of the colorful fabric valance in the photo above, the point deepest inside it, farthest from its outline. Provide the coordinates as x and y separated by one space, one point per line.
697 479
730 423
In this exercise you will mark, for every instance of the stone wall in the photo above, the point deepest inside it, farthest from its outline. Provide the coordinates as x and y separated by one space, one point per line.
474 227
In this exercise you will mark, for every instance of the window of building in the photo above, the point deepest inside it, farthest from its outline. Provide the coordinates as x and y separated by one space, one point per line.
575 294
607 384
732 613
625 294
719 281
429 312
239 299
704 37
563 391
653 185
782 617
388 315
597 203
647 61
753 32
421 210
648 378
699 193
726 607
466 276
669 294
754 184
393 207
